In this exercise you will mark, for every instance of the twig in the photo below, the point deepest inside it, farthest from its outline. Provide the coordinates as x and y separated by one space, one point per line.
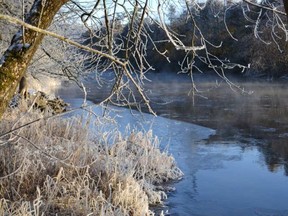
108 56
265 7
60 37
45 118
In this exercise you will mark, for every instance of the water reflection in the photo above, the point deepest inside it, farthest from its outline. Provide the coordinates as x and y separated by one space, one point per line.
239 169
262 115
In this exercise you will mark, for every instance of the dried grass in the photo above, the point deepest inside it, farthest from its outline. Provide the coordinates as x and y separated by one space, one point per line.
66 167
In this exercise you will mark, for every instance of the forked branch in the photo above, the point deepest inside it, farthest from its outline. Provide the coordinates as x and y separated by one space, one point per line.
123 65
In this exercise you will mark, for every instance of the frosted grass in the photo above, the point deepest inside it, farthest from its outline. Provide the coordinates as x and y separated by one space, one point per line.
64 166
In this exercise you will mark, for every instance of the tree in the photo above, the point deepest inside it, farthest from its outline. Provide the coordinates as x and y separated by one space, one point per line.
22 48
124 54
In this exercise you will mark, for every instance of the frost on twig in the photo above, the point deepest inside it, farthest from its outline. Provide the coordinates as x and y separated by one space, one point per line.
100 37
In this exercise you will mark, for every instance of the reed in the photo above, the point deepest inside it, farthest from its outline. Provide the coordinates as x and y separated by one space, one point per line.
70 167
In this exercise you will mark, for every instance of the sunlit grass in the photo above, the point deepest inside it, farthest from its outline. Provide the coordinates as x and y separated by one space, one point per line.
69 167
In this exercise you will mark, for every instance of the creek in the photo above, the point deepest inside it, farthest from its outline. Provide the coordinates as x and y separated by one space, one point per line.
231 144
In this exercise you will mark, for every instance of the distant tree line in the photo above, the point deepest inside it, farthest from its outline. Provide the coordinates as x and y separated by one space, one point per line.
179 36
245 36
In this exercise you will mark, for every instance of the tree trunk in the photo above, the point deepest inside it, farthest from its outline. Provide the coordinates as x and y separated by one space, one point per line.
16 59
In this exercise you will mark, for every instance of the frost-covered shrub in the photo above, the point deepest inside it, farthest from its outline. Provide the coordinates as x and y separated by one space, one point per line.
66 167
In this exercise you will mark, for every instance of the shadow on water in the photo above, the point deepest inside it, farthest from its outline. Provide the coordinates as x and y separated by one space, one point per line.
239 170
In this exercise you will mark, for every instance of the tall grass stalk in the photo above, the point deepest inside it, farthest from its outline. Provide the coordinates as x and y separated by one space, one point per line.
67 167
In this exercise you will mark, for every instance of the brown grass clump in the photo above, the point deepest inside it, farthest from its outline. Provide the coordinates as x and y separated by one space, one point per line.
66 167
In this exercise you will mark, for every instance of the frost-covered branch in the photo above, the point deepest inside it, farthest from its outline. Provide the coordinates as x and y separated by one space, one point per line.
80 46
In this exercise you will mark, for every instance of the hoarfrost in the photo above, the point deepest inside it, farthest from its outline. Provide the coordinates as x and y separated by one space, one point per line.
18 47
2 61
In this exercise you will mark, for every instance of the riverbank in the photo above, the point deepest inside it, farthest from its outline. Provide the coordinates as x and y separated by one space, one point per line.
242 169
75 166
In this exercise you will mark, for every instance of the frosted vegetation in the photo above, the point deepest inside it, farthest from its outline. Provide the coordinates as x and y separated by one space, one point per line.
74 167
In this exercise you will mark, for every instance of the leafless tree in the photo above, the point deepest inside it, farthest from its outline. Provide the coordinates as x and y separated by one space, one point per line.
124 54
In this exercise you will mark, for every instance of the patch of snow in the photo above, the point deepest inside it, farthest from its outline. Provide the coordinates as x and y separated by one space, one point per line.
34 8
283 135
2 60
17 36
18 47
26 45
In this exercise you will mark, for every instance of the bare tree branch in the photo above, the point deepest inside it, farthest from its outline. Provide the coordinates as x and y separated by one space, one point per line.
112 58
274 10
45 32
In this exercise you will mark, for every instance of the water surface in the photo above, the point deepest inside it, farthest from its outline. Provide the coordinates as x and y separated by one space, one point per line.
240 168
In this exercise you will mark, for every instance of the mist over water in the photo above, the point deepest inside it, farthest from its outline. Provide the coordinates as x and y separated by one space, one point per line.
236 116
242 169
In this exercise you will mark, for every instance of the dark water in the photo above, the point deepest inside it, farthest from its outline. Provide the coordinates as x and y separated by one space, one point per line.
242 167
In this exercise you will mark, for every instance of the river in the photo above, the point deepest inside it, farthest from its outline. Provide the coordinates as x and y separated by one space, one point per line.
237 163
